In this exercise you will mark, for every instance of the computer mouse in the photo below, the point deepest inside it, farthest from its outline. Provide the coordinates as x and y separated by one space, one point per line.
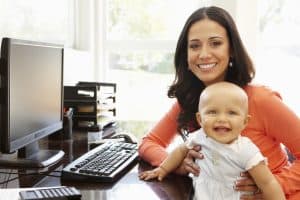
128 137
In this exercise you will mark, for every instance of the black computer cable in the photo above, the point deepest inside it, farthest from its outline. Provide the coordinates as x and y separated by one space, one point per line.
8 179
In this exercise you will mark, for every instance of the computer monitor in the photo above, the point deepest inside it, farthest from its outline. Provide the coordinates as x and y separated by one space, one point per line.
31 99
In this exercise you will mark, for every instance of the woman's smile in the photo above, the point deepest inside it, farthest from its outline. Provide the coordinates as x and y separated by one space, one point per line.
207 66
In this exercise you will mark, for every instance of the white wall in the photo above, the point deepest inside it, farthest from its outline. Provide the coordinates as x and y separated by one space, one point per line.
77 66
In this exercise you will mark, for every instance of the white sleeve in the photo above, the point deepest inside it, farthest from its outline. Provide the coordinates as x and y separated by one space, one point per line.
250 154
257 158
193 139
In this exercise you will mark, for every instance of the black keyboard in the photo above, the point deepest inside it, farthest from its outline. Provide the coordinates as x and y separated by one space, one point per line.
105 163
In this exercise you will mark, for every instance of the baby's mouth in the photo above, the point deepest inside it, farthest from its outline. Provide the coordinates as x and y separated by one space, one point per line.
222 129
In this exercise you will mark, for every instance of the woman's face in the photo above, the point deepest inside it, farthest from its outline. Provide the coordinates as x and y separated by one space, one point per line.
208 51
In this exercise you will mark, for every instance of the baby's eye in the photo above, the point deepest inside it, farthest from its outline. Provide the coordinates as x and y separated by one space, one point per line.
211 112
232 113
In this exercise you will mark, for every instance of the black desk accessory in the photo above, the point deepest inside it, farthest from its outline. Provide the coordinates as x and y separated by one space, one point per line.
57 193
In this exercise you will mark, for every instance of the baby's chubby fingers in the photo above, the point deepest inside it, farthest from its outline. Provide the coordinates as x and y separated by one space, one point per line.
147 175
143 175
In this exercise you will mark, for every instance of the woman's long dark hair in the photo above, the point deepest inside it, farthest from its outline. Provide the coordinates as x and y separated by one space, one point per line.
187 87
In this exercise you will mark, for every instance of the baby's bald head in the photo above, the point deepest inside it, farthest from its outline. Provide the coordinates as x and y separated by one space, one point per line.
224 91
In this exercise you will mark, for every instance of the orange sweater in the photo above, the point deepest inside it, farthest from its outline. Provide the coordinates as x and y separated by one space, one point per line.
271 123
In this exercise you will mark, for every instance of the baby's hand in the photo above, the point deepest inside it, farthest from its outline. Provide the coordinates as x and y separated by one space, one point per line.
158 173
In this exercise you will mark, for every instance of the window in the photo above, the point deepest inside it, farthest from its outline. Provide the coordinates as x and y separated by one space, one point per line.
139 43
278 56
36 20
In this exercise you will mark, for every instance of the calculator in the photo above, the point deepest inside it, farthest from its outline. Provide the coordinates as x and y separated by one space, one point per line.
55 193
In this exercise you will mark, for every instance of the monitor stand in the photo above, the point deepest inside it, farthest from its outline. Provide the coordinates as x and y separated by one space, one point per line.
31 156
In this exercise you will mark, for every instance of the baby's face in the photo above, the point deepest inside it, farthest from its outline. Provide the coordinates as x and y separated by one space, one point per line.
223 118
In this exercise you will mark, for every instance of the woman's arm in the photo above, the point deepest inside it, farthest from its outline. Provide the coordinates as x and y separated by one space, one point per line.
273 123
283 125
266 182
153 146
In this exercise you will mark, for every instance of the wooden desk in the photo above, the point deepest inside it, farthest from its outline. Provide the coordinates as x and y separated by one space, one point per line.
128 187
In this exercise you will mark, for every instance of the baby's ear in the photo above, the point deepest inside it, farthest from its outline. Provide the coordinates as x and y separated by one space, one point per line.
198 117
247 118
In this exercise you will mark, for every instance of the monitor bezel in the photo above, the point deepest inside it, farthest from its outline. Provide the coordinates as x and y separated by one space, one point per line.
8 145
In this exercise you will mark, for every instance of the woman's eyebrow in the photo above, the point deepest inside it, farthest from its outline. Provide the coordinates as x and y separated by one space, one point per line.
215 37
210 38
194 40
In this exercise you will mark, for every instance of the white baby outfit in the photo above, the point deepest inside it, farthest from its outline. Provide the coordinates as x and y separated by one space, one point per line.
222 165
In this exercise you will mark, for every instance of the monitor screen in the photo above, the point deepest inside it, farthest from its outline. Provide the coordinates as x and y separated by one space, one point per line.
31 93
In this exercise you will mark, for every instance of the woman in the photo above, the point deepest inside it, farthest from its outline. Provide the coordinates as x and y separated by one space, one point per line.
210 50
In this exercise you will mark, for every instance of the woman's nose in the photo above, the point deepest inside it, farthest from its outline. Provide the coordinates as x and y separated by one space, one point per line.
204 52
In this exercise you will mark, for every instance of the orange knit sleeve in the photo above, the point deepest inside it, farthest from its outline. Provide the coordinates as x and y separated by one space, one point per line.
153 146
282 125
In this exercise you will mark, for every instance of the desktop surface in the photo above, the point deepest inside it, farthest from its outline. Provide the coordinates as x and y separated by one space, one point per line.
127 187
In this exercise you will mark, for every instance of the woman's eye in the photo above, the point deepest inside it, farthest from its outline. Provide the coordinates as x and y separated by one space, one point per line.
194 46
215 43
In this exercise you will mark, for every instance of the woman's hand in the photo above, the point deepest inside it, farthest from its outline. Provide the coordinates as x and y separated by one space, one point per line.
247 184
188 165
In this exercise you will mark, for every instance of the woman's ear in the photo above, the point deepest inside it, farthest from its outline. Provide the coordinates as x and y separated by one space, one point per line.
198 118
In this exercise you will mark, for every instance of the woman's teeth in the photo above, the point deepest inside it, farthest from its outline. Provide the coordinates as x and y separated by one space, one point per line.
206 66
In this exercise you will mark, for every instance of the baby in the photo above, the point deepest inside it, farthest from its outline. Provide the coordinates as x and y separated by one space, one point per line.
222 114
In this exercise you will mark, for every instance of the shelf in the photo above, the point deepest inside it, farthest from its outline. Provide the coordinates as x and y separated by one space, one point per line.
94 104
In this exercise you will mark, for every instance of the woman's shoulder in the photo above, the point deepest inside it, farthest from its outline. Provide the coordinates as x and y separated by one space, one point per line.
175 109
258 92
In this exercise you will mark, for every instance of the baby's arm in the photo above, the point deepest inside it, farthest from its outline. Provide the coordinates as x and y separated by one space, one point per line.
266 182
158 173
173 160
